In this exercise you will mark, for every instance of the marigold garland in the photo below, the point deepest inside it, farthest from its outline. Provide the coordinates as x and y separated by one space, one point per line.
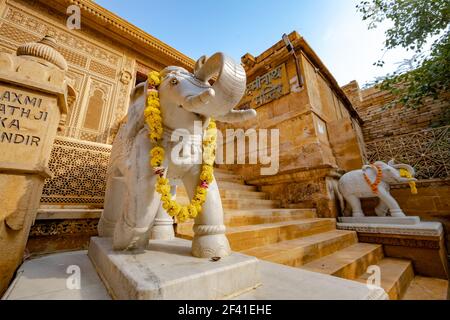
153 119
412 185
374 186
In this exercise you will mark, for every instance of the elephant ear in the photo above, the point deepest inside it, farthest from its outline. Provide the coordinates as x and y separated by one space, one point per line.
407 167
135 120
199 64
370 168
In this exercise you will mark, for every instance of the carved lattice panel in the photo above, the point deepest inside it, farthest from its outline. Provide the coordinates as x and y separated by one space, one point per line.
428 151
102 69
79 170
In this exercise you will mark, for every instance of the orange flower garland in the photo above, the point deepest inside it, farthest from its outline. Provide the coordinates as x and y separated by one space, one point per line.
374 186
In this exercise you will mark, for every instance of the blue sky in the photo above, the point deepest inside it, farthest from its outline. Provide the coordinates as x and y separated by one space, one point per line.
333 28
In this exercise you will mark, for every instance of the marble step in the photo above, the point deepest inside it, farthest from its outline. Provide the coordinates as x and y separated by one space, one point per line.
237 218
247 237
349 263
44 278
300 251
396 275
424 288
228 193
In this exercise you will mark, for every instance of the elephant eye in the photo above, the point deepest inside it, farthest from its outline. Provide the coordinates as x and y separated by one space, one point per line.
174 81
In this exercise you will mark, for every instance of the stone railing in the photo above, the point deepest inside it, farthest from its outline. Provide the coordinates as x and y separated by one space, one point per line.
79 169
426 150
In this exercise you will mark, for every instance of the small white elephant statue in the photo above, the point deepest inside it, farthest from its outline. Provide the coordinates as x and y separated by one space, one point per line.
131 202
373 181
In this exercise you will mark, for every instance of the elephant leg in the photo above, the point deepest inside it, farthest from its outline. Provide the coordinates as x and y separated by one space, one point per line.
382 209
115 191
209 229
355 203
163 226
141 201
391 203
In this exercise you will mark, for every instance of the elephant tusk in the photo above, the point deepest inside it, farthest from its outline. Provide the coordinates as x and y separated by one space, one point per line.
237 116
193 102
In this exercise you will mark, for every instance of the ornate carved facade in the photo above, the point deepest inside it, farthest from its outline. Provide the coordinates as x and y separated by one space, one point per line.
103 68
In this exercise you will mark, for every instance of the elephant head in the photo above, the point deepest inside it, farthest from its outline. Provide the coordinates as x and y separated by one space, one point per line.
391 172
185 95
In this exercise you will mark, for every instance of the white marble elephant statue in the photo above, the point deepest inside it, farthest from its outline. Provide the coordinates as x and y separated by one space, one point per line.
131 202
373 181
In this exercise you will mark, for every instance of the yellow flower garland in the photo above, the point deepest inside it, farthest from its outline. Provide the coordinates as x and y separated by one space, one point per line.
412 185
153 119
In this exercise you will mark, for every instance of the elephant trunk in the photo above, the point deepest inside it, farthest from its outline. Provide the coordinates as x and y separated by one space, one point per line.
229 87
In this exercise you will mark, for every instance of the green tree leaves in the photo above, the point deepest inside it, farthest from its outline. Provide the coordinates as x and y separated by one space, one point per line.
414 24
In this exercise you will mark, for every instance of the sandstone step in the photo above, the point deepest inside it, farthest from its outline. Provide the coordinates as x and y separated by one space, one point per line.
223 170
300 251
250 236
237 203
395 275
225 176
247 237
247 204
235 186
228 193
348 263
237 218
424 288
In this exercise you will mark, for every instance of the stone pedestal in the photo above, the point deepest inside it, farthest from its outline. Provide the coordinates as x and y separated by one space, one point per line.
167 270
405 238
33 93
381 220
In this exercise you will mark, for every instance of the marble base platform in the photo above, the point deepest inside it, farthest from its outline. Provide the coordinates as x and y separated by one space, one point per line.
433 229
381 220
167 270
45 278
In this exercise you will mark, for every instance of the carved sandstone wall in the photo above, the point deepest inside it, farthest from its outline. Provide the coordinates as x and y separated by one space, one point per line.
382 123
318 128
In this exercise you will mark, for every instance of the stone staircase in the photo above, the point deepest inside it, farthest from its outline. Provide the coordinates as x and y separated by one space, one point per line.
258 227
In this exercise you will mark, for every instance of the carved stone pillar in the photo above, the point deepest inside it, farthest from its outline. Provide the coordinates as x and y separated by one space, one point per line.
163 226
33 103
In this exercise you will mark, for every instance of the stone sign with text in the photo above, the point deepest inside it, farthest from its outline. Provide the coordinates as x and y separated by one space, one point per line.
266 88
33 103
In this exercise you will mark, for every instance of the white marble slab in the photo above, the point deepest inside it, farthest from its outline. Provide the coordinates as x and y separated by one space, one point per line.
51 278
432 229
167 270
381 220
